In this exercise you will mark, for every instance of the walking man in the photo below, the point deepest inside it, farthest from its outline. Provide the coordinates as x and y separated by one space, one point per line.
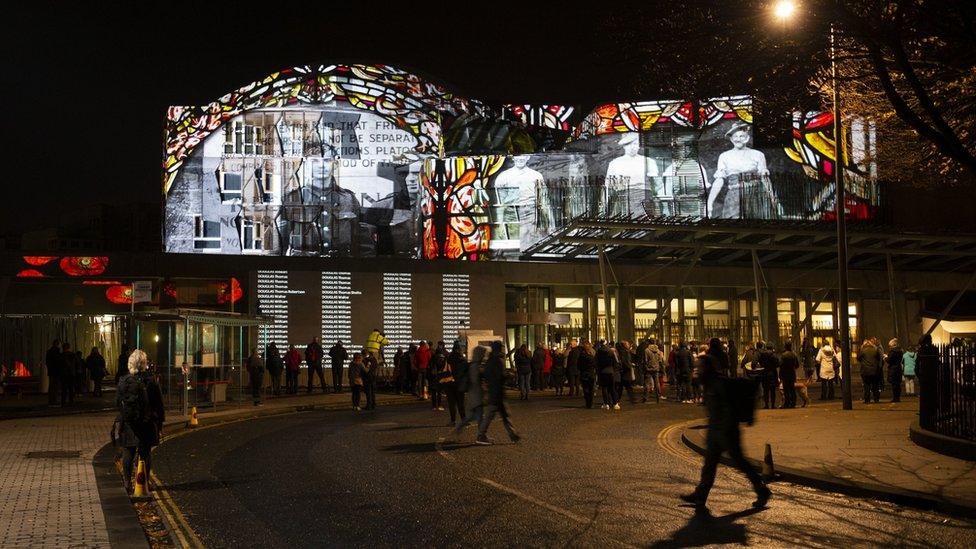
723 432
495 378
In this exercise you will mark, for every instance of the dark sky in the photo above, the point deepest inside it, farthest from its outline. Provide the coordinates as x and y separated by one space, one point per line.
87 84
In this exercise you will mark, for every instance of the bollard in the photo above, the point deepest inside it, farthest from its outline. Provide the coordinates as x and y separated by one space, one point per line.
193 418
768 471
140 490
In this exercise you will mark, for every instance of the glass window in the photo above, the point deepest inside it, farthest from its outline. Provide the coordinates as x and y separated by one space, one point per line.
784 305
206 234
691 307
569 302
715 305
645 304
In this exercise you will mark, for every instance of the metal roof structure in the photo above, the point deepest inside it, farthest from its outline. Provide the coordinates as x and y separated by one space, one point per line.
725 242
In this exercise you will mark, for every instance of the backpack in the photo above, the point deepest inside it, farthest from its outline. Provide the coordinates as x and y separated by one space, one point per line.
742 393
134 401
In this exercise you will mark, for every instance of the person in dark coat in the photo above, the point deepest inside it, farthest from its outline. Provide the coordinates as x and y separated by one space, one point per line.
572 368
788 365
628 375
587 371
272 359
494 375
895 368
869 359
438 364
371 368
141 415
723 433
356 382
684 361
95 363
538 363
122 364
474 405
606 366
558 369
255 369
313 359
67 377
523 369
928 362
455 373
338 355
53 360
770 374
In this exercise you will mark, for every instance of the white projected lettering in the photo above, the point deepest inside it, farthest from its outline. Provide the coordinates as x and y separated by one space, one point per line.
337 307
456 303
398 309
272 288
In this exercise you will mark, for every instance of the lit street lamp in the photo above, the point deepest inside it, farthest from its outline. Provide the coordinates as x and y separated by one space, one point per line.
785 9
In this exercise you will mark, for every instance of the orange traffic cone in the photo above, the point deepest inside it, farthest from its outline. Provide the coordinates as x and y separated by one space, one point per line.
193 418
768 471
140 490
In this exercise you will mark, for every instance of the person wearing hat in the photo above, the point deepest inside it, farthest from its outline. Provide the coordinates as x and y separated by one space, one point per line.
627 175
741 187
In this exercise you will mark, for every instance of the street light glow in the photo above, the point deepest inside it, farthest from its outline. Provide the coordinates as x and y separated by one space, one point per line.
784 9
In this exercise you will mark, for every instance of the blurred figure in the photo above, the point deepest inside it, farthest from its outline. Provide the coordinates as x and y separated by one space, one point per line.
494 375
275 367
293 362
255 370
95 364
338 355
587 371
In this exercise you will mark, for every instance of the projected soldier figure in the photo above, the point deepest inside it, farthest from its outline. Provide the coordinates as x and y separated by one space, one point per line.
741 188
627 176
517 189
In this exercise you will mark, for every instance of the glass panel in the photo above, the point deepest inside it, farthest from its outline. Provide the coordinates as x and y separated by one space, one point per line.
645 304
715 305
691 307
825 307
784 305
600 306
569 302
232 181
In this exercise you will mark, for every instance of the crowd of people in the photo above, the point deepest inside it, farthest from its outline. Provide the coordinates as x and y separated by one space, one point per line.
72 374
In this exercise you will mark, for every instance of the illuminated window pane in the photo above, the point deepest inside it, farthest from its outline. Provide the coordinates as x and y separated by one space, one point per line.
691 307
715 305
569 302
645 304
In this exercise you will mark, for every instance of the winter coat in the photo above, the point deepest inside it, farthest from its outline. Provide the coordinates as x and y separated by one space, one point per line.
895 366
149 398
826 360
293 360
539 359
586 365
423 355
357 373
908 360
274 363
653 358
770 366
787 367
313 354
495 379
338 354
870 360
547 363
605 360
458 363
572 361
96 366
683 362
558 365
626 364
54 361
523 363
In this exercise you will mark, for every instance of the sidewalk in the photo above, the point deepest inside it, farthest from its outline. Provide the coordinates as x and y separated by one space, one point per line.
49 495
863 452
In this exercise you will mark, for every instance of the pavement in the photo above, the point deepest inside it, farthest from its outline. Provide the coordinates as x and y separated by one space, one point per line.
50 494
865 451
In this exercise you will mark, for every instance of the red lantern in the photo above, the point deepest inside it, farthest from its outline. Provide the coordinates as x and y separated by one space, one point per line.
120 295
169 290
31 273
38 260
229 293
84 265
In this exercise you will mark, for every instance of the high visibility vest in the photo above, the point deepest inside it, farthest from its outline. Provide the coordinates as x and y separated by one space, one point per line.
375 341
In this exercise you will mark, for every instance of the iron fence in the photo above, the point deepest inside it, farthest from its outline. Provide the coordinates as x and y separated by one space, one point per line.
947 395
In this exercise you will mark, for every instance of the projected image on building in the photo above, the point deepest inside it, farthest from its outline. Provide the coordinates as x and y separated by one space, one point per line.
371 161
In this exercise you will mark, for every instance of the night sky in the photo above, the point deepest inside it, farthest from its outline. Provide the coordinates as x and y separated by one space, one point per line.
88 86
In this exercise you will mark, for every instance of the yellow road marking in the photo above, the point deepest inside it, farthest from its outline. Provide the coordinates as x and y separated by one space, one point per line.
174 517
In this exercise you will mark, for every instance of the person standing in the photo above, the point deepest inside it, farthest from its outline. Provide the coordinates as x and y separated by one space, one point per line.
587 371
826 372
438 363
895 360
53 360
95 363
908 359
547 368
122 363
605 374
375 344
293 361
572 367
723 434
141 415
454 371
627 376
788 365
869 359
523 369
654 365
313 359
371 368
338 355
558 369
927 366
808 359
495 378
770 374
423 363
255 369
538 363
68 367
474 407
275 367
356 380
683 363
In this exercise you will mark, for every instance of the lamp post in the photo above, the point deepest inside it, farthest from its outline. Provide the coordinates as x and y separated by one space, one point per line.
785 9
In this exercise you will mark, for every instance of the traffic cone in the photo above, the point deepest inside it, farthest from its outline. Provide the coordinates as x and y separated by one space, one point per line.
193 418
768 471
140 490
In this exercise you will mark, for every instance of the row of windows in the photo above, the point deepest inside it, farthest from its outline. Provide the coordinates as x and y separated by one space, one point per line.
206 234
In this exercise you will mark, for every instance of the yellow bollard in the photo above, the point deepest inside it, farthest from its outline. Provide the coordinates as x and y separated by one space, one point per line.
768 471
193 418
140 490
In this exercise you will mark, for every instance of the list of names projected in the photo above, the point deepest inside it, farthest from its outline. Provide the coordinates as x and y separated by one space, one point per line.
456 293
398 309
273 301
337 295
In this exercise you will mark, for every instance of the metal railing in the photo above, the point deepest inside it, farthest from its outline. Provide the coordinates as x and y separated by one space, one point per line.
947 393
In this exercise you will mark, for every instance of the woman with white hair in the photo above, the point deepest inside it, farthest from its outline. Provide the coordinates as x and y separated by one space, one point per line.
141 414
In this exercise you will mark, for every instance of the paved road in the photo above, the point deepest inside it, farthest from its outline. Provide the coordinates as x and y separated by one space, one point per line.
579 478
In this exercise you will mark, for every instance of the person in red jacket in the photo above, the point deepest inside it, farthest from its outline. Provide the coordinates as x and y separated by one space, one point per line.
293 359
423 361
547 370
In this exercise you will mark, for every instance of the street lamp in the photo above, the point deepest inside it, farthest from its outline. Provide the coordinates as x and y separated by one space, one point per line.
785 9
